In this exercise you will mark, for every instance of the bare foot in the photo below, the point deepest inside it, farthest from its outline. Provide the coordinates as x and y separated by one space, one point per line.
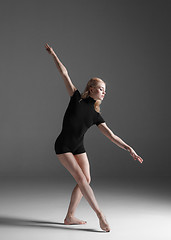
73 221
104 224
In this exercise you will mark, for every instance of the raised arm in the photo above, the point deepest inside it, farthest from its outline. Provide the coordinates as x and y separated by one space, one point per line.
118 141
63 71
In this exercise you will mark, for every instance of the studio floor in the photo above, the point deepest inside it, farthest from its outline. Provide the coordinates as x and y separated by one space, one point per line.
34 208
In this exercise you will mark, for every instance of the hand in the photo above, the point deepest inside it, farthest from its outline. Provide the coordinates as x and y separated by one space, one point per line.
134 155
49 49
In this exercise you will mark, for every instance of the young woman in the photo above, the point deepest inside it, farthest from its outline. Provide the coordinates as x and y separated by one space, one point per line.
83 111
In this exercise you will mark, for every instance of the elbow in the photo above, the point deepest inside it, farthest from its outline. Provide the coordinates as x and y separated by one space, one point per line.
64 72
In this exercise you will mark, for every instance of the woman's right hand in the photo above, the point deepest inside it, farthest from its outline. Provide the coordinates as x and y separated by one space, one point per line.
135 155
49 49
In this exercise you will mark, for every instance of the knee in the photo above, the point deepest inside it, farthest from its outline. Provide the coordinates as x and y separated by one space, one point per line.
88 179
81 179
84 179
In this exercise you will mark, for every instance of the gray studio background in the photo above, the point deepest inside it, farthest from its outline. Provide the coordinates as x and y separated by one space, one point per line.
126 43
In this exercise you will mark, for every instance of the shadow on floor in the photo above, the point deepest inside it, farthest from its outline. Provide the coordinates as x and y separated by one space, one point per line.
19 222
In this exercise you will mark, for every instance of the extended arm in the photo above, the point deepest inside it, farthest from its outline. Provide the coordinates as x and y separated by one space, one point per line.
63 71
118 141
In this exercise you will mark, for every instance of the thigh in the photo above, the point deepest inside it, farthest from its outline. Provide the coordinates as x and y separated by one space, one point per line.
69 161
83 162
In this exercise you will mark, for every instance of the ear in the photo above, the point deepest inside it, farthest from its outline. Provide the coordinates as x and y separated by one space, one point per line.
91 89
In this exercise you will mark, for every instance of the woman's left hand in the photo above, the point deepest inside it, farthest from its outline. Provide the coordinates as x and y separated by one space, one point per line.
135 155
49 49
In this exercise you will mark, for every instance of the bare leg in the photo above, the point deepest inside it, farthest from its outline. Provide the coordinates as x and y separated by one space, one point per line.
76 196
69 162
75 200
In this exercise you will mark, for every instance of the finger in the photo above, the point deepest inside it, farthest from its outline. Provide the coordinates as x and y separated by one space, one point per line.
140 159
48 46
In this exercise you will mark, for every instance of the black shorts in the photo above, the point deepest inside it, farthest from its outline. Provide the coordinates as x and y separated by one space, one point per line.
62 146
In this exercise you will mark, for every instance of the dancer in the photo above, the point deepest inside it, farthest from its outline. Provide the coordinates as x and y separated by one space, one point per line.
83 111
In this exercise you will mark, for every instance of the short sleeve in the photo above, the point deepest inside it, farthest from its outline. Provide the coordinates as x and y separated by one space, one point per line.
99 119
76 95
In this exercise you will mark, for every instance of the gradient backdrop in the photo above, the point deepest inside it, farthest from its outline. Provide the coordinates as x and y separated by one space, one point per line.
126 43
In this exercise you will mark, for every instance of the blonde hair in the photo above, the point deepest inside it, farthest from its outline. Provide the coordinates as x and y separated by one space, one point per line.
92 83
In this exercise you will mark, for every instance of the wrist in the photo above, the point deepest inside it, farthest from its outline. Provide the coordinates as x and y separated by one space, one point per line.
53 54
127 148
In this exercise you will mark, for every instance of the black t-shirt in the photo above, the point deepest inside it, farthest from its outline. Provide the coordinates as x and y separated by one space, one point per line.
80 115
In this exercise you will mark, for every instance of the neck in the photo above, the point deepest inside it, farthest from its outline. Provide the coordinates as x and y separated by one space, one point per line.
90 100
92 97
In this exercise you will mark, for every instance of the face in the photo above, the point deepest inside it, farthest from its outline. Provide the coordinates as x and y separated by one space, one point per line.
98 92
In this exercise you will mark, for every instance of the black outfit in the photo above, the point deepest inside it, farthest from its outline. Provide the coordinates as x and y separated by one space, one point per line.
79 116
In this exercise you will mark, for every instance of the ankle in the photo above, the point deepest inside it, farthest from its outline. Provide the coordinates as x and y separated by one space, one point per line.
69 215
99 214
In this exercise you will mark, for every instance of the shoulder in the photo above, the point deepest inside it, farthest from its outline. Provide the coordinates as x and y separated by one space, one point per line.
76 94
99 119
